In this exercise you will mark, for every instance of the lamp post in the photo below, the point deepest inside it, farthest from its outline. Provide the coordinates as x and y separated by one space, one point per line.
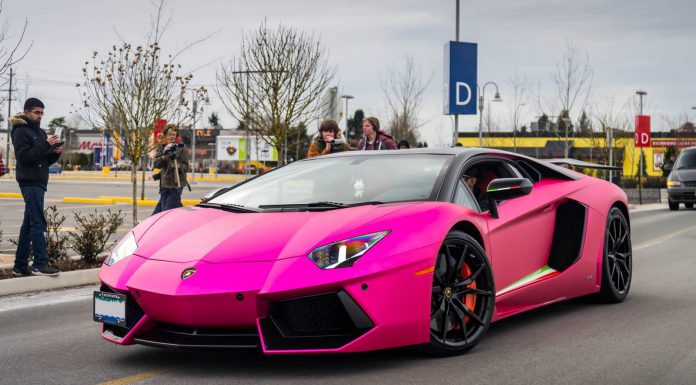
640 94
206 102
345 113
496 98
455 135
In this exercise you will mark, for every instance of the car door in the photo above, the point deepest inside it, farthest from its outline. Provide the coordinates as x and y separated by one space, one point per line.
521 236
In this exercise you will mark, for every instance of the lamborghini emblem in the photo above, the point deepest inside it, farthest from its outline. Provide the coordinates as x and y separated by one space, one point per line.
188 273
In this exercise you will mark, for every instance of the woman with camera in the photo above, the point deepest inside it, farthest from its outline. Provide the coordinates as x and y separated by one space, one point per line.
172 159
328 141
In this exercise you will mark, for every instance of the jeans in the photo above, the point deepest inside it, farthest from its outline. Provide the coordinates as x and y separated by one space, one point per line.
170 198
33 229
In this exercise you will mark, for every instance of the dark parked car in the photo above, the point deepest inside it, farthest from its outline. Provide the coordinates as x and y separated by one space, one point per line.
681 183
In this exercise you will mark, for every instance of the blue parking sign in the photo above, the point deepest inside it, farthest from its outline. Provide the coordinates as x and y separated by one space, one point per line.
460 78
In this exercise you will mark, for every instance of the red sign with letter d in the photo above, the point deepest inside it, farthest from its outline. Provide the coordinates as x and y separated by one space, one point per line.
642 137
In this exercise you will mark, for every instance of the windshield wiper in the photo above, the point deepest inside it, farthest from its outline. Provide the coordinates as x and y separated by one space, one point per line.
318 205
229 207
310 205
365 203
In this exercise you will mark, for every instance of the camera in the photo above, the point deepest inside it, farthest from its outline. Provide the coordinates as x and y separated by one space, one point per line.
171 149
157 176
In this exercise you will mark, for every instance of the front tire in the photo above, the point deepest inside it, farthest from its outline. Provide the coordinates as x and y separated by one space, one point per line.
689 205
617 264
463 296
673 206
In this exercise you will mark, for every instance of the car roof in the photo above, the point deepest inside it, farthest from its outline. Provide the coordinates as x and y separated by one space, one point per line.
462 154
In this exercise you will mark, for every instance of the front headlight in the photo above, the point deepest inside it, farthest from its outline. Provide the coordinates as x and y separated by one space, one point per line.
344 253
673 183
124 249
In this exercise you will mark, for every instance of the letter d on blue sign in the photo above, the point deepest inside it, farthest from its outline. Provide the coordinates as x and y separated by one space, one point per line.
460 78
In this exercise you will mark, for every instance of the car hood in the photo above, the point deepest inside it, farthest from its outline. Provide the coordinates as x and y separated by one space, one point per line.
685 174
217 236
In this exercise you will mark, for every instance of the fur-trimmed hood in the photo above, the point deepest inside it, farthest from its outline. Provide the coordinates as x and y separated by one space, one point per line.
19 120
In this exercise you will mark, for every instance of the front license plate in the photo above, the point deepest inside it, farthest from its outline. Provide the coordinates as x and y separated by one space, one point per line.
110 308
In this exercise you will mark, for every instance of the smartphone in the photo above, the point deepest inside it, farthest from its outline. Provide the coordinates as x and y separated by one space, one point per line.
58 132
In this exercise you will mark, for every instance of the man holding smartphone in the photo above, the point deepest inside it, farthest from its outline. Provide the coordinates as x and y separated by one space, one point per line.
34 151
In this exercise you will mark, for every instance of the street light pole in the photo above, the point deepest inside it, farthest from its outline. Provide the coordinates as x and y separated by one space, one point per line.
496 98
456 116
640 94
345 113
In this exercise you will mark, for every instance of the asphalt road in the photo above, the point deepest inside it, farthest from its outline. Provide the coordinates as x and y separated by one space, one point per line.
648 339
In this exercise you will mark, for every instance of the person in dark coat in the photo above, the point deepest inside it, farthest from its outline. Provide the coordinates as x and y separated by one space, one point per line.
172 159
404 145
2 165
34 151
374 138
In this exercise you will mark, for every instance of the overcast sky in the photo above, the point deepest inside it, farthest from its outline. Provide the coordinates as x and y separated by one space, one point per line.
631 45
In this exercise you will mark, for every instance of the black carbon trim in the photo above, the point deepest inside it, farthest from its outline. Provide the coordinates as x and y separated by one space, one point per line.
568 235
324 321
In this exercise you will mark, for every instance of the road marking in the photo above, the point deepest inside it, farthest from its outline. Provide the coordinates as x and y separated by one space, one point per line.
132 379
661 239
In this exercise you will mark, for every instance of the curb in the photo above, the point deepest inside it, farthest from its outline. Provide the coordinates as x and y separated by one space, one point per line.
64 280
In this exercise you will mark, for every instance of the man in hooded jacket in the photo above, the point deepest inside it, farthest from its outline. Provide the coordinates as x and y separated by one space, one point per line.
34 151
374 138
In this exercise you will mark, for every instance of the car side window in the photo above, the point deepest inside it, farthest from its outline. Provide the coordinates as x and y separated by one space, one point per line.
464 197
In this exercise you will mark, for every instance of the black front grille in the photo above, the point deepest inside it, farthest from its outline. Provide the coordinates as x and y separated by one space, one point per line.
321 314
177 336
316 322
133 314
689 184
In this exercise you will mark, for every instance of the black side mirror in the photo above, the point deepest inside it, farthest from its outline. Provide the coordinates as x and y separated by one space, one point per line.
506 188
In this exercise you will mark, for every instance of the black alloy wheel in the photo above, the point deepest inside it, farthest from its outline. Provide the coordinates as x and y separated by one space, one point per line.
617 267
463 296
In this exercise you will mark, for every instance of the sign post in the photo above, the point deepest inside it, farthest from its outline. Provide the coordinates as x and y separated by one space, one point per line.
460 80
641 139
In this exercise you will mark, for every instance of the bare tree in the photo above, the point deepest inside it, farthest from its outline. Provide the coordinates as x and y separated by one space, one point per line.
573 83
518 85
125 91
613 130
275 83
403 90
11 52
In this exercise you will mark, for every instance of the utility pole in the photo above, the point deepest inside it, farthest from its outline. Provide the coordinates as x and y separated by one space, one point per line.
455 136
9 125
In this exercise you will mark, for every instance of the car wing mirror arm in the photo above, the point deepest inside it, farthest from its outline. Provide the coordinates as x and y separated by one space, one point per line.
493 208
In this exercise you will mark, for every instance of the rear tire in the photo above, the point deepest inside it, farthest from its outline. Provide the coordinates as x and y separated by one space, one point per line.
689 205
463 296
674 206
617 264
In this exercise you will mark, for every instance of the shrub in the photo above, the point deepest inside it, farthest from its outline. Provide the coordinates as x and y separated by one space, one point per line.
93 233
57 242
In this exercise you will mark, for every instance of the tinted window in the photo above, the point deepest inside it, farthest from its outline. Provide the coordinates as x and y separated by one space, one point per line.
463 196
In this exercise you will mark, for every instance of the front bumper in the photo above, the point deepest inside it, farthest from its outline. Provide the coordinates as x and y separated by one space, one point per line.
286 306
682 194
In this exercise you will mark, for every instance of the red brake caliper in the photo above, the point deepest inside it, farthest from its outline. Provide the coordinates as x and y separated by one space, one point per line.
469 300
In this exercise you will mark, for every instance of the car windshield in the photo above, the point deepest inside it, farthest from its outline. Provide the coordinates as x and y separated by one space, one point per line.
345 180
686 159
